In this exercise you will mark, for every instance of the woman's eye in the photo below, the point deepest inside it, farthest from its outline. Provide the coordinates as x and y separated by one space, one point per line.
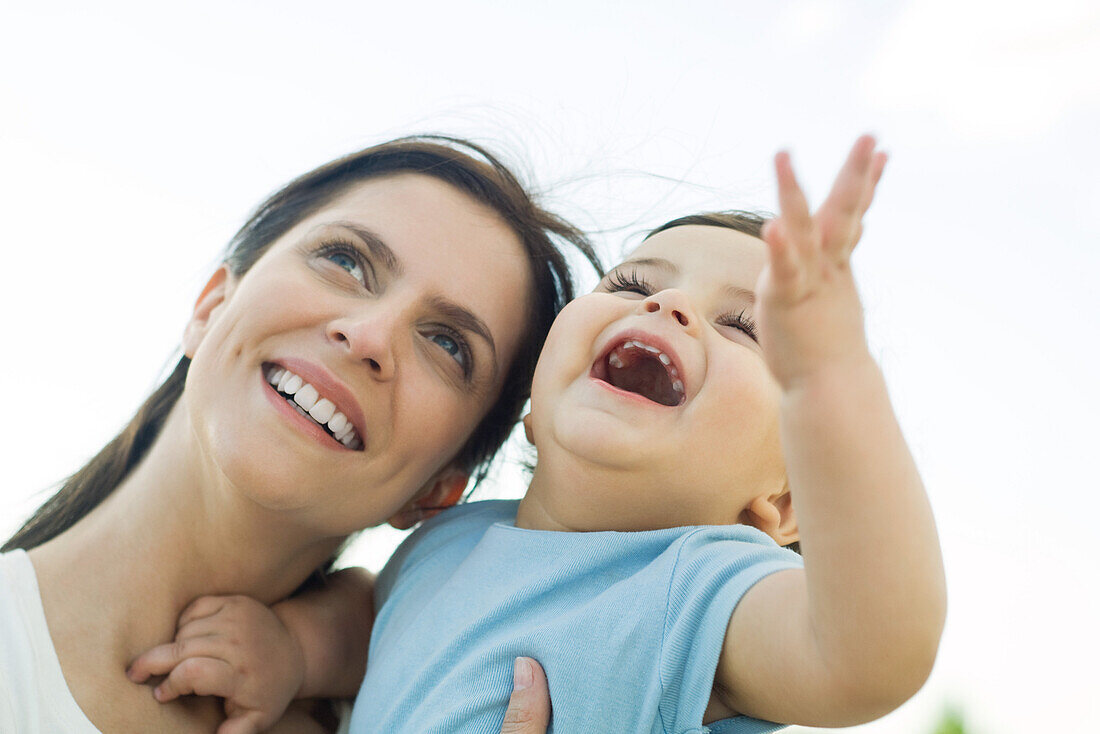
349 259
348 263
453 347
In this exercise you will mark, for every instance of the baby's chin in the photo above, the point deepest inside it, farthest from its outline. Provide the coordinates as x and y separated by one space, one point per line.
604 440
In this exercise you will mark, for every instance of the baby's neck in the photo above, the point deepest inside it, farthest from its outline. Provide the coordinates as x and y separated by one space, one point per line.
566 495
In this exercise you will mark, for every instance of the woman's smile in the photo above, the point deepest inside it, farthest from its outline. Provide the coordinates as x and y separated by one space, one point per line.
319 403
371 331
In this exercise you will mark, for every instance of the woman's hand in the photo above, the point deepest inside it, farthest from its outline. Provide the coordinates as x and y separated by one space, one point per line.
529 707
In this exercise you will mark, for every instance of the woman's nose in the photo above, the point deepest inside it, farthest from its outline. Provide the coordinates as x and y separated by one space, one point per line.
368 336
673 303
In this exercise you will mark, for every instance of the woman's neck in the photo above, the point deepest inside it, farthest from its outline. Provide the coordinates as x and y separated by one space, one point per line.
173 530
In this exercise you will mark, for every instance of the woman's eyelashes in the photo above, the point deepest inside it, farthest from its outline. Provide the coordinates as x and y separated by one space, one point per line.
349 258
456 347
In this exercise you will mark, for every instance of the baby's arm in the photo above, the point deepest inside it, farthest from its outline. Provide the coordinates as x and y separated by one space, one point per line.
260 658
854 635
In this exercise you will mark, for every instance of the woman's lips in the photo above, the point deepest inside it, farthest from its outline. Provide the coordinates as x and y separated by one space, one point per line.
303 423
317 398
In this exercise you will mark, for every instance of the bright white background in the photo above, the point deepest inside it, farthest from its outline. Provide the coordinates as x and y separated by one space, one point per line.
135 137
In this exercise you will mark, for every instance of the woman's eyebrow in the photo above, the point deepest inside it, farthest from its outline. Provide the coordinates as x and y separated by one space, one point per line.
374 243
466 320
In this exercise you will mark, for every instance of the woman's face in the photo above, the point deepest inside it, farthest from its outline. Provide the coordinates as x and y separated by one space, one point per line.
403 303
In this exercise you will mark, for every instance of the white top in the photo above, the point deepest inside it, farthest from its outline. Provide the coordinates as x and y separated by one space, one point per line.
34 698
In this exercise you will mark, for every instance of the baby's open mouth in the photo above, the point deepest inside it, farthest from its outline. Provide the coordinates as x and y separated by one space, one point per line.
640 368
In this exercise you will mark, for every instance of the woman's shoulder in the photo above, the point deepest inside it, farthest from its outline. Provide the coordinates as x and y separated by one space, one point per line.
34 697
16 664
22 622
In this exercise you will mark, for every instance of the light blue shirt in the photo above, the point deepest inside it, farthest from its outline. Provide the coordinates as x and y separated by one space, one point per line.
627 626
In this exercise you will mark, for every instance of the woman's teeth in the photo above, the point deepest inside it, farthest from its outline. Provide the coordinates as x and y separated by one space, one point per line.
309 403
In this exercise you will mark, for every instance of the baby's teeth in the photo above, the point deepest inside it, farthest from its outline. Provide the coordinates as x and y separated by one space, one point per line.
337 422
664 359
322 410
306 396
291 384
615 360
678 386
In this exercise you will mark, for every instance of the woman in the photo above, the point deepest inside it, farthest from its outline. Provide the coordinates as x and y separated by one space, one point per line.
410 284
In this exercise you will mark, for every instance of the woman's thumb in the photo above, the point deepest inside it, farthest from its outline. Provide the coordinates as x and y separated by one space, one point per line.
529 707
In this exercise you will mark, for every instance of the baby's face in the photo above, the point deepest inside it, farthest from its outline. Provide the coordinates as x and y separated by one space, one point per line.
655 387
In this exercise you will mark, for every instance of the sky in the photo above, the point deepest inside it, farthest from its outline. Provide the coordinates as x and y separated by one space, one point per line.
136 137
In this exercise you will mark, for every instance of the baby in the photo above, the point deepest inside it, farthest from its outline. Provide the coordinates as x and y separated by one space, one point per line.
714 382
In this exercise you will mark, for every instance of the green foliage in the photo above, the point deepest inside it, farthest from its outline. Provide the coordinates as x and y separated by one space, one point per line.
951 722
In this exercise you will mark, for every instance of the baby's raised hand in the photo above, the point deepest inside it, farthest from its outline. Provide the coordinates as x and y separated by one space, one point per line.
233 647
810 317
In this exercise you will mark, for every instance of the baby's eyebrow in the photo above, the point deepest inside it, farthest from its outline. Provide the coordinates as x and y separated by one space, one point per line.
740 294
656 262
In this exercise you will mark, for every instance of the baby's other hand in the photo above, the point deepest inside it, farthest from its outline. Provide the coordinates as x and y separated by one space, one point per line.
233 647
810 317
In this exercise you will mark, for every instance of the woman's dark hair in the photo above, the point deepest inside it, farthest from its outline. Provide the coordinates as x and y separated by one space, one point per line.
750 223
460 163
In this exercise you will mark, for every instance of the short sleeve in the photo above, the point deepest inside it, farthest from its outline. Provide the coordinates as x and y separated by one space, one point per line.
713 570
462 522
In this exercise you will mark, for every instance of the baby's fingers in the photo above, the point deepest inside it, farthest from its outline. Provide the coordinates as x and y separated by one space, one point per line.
204 606
842 210
157 661
851 183
878 165
793 207
790 237
163 658
200 676
250 722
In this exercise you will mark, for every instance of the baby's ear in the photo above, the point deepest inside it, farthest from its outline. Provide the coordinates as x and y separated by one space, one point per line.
442 491
774 515
527 429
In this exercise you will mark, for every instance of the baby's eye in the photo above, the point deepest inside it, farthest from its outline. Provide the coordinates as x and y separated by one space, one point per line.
620 282
739 321
456 347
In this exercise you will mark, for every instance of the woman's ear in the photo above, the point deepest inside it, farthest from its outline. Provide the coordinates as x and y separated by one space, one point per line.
774 515
215 293
442 491
527 429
